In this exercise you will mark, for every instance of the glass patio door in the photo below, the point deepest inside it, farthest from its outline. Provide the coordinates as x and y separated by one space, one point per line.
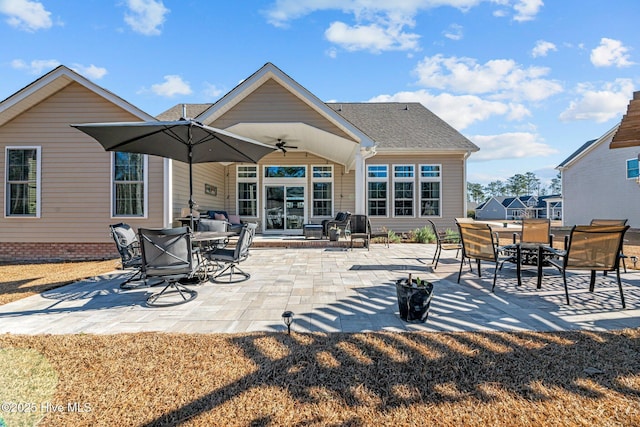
284 208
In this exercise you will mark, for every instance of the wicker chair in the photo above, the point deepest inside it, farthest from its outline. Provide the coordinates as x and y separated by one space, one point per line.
359 229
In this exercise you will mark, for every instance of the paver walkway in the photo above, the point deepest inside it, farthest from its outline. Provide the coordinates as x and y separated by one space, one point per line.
334 291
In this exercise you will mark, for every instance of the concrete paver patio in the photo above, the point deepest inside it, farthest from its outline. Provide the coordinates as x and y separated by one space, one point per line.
335 290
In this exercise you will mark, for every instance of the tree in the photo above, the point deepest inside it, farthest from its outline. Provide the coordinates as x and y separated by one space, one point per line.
495 188
517 185
533 183
556 184
475 192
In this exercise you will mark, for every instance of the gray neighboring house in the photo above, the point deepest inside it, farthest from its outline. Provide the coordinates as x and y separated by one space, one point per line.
512 208
598 182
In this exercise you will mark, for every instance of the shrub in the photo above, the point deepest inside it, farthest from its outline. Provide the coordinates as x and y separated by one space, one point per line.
423 235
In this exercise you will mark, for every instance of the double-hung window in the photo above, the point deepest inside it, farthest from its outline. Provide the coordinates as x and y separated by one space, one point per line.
377 189
403 190
632 169
248 191
322 181
129 184
22 180
430 190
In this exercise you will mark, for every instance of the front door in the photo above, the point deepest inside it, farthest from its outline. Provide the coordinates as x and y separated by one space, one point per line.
284 208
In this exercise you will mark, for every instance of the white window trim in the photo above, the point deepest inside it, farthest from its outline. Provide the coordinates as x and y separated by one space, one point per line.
145 183
376 179
392 196
422 179
333 190
250 180
38 179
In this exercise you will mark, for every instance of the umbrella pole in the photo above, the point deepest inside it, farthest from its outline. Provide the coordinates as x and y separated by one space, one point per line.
191 203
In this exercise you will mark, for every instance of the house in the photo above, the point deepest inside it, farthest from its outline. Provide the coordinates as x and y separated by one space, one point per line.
529 206
598 182
396 162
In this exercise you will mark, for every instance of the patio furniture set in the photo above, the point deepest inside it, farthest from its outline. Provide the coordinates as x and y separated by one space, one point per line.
179 258
594 247
353 227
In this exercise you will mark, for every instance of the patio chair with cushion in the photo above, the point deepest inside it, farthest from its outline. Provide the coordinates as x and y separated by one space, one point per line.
129 250
360 229
232 257
235 224
167 254
444 241
479 243
340 221
593 248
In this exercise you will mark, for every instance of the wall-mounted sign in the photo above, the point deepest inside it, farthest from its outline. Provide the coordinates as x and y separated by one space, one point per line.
210 189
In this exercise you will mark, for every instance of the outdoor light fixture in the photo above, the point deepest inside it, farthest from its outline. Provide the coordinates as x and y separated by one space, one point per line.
287 318
634 259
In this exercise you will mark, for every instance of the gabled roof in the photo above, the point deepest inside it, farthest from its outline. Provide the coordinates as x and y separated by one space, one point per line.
585 148
396 126
53 82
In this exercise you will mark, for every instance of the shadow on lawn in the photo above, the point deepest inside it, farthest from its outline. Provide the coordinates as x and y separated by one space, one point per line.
385 371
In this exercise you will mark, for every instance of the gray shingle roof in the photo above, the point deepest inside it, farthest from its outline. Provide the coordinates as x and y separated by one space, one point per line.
403 126
175 112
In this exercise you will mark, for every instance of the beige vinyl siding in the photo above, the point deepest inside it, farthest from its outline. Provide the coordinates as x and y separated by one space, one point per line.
452 189
75 171
203 173
272 103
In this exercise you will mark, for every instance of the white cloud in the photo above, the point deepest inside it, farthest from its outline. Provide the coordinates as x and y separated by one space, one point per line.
501 78
526 10
454 32
600 105
374 38
26 15
90 72
609 53
380 24
459 111
145 16
212 92
36 67
173 85
511 145
542 48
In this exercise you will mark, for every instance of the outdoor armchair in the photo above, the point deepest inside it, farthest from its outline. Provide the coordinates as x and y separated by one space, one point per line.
340 221
593 248
359 229
480 243
129 250
445 242
232 257
167 254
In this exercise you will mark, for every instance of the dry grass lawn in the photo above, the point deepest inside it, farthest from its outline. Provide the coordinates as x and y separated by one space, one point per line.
361 379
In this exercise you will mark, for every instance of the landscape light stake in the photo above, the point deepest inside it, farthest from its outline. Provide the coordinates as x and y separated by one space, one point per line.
287 318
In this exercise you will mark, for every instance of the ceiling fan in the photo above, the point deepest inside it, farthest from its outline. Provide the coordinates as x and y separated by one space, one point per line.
282 145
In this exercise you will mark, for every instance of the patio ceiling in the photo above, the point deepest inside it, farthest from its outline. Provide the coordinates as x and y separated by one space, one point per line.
307 138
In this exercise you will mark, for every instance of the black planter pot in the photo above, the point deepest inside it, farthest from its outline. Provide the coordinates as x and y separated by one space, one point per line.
414 300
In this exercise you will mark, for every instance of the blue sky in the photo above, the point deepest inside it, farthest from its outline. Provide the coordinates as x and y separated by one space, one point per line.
527 81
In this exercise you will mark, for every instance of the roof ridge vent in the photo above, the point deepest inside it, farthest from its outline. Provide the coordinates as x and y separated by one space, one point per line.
406 107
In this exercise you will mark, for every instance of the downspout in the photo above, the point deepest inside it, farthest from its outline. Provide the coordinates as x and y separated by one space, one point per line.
464 184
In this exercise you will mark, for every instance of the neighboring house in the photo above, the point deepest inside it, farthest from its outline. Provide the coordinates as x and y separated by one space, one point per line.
598 182
511 208
396 162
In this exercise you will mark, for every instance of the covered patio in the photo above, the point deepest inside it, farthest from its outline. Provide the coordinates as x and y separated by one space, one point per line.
332 289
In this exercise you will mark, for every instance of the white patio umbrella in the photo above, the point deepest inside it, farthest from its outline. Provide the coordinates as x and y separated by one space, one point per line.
184 140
